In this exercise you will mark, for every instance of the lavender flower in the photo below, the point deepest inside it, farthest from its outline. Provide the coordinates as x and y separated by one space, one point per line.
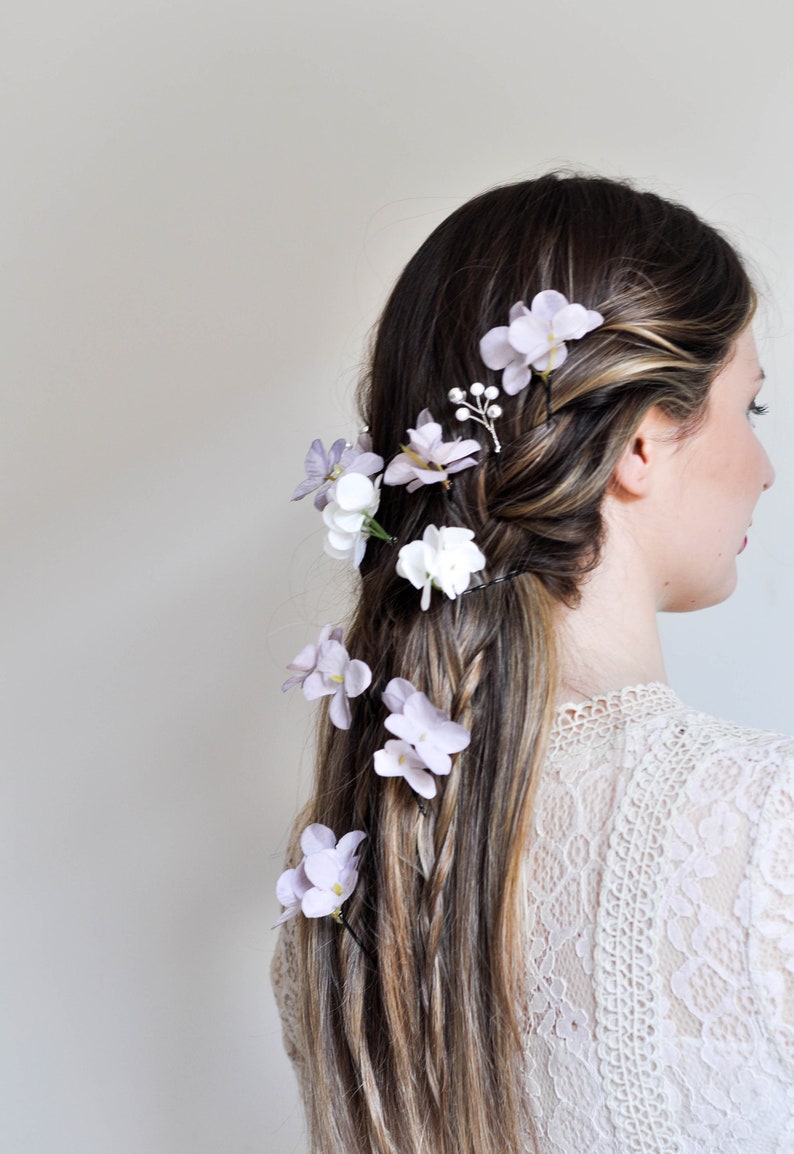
427 458
323 468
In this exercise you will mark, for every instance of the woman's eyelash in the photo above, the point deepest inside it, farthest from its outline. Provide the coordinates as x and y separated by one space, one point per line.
758 410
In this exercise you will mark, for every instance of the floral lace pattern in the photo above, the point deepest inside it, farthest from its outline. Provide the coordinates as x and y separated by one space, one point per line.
659 1012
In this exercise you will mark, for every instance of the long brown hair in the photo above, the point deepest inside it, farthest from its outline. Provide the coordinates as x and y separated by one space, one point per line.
418 1048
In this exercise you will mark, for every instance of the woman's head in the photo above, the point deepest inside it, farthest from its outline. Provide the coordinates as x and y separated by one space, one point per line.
674 297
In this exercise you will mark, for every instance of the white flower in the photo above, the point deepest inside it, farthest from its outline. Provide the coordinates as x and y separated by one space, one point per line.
430 731
337 675
536 337
400 759
348 516
444 559
325 878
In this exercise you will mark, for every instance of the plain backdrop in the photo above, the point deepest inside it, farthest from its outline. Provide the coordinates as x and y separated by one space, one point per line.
204 204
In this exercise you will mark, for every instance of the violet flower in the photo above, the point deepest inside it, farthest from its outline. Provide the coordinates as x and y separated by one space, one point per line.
535 338
427 458
323 468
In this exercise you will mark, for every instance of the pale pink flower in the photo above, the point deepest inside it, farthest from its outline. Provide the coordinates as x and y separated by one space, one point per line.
306 661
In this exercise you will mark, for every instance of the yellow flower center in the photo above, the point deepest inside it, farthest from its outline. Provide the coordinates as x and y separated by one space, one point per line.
337 677
337 889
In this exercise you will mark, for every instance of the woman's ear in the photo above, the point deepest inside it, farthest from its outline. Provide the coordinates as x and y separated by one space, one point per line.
638 464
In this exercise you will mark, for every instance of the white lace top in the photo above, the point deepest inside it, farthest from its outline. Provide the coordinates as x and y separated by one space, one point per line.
660 889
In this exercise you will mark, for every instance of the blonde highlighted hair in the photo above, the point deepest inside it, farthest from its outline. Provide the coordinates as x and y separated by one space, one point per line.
420 1050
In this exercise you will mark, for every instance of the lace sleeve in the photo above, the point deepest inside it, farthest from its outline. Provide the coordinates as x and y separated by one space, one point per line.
771 912
283 976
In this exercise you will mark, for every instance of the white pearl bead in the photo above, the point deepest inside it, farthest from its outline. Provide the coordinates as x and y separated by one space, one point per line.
456 395
477 389
492 392
494 411
462 414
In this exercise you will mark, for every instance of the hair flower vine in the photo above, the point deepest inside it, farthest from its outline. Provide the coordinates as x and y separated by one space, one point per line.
325 878
535 338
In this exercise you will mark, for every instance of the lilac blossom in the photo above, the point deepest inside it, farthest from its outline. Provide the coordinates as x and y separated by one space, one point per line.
339 677
427 458
323 468
429 731
535 337
325 878
306 661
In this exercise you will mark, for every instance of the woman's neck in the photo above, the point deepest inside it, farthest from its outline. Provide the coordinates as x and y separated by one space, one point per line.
611 639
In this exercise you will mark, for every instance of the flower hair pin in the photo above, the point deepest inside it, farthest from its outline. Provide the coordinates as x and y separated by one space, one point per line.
428 459
325 878
326 669
535 338
426 738
483 414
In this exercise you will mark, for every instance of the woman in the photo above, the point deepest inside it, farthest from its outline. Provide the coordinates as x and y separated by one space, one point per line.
569 906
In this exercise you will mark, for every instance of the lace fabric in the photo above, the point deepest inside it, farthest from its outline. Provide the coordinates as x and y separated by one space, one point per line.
660 934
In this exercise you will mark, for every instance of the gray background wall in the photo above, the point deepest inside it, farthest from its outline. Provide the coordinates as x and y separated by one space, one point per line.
203 206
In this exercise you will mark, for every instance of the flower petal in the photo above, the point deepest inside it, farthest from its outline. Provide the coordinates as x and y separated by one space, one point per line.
529 336
570 323
339 709
317 837
354 492
358 677
322 868
495 349
548 302
397 693
516 377
348 844
319 903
